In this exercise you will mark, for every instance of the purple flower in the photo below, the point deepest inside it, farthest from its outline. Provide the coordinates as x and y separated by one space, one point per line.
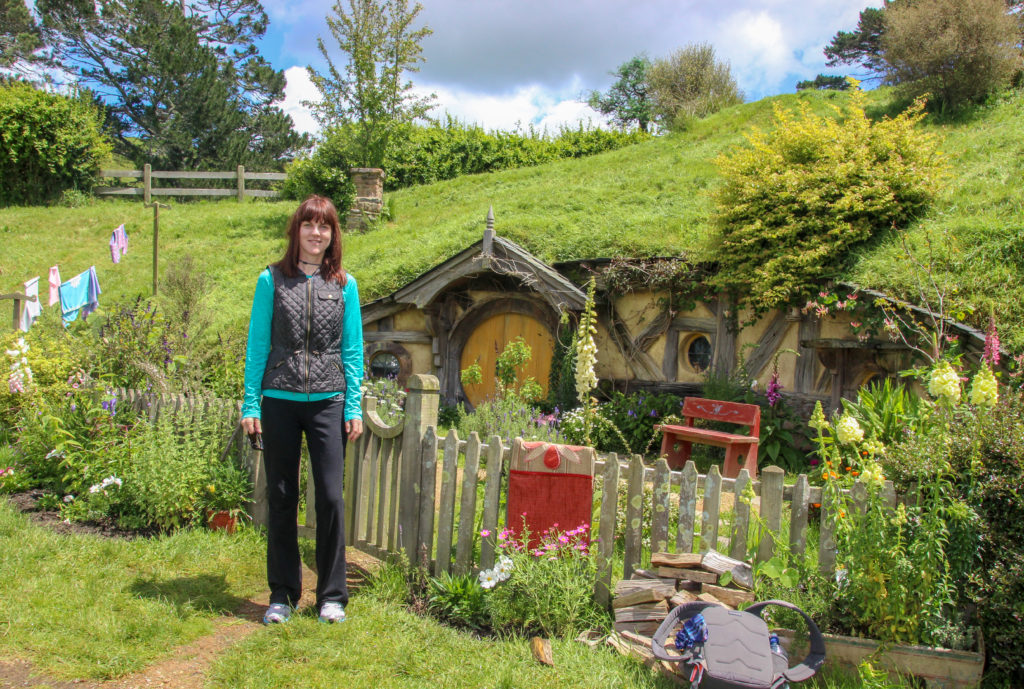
773 391
631 413
991 354
654 413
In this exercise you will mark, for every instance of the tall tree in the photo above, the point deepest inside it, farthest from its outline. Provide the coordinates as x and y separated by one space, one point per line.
20 37
626 101
371 92
862 46
691 83
184 83
957 50
824 82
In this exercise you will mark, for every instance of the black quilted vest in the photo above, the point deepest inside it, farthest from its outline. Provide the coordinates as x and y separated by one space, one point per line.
305 335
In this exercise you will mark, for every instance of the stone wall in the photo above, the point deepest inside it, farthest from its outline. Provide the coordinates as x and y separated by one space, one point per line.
369 201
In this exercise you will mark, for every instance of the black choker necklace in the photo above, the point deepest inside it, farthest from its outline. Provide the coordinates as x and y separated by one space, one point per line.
308 263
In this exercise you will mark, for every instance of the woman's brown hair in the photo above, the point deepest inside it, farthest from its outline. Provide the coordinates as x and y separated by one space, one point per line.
315 209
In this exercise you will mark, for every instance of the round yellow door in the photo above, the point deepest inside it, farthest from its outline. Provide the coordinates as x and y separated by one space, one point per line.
490 338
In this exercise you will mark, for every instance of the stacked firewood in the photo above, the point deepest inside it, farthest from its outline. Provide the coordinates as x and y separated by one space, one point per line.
642 602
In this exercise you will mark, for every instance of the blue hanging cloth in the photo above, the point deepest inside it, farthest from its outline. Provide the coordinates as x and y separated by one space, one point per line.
80 294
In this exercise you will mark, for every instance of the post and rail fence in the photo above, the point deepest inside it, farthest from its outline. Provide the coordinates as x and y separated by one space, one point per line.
409 489
147 190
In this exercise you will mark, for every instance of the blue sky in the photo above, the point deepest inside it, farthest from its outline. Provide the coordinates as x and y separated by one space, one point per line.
503 63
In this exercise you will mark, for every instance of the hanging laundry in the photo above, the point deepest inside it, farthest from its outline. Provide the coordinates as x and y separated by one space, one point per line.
32 307
54 285
118 244
80 294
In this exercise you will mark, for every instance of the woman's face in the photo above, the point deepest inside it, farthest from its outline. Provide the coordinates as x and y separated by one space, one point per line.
314 238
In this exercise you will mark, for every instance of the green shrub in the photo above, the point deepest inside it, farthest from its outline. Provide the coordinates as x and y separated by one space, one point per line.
635 416
986 450
50 143
459 599
545 589
797 199
325 172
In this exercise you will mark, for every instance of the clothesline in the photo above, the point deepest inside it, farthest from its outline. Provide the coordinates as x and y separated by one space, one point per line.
77 296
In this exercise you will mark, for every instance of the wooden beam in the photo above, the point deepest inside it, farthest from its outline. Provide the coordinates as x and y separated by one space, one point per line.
695 324
407 336
806 363
670 360
640 362
768 344
725 338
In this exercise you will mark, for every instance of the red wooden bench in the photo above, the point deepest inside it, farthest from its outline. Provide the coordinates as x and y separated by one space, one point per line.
677 441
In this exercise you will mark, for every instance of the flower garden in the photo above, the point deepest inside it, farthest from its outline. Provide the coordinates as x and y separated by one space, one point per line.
928 544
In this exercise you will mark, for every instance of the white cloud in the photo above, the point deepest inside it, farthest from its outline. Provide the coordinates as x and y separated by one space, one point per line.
298 88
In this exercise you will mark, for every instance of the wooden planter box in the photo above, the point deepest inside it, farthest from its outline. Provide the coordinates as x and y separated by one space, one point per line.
940 668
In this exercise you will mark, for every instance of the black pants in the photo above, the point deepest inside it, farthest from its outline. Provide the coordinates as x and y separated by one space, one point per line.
284 422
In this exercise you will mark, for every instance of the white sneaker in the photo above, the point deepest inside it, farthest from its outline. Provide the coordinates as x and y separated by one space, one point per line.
277 613
332 611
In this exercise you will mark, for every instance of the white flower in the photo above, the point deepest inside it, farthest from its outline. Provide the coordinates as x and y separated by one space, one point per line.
69 498
487 579
95 488
944 383
503 570
984 390
848 431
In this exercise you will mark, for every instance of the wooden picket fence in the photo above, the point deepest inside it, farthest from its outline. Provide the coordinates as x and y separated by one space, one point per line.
443 518
408 489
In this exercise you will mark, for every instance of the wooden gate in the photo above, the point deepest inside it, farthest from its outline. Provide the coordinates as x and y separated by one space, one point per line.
488 340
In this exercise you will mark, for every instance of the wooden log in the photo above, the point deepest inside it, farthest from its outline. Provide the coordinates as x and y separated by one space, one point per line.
681 597
687 508
742 573
467 505
541 650
634 516
639 597
446 510
712 506
606 533
659 518
638 645
709 598
677 560
771 511
664 587
642 613
733 597
644 574
741 517
647 628
688 575
683 585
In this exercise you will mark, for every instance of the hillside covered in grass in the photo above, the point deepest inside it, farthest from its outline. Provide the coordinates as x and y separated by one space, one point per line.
650 199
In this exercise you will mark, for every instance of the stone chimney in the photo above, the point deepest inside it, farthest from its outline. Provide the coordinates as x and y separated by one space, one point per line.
369 183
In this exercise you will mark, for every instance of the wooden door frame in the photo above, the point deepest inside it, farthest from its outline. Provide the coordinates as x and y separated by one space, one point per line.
451 385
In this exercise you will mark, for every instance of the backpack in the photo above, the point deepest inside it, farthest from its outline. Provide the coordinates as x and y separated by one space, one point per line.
731 649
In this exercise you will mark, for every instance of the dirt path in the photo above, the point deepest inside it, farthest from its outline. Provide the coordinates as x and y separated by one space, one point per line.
186 666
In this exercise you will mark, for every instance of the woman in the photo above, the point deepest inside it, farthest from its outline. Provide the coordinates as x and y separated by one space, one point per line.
305 357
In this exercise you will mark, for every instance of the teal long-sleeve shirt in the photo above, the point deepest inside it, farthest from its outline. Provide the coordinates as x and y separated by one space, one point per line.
258 350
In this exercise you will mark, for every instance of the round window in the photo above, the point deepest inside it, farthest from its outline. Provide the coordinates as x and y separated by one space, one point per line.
385 365
698 353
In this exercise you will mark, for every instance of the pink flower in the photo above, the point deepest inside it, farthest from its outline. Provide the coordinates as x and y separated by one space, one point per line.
485 533
855 324
563 539
991 354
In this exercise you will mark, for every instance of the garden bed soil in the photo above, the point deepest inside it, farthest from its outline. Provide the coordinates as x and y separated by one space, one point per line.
28 504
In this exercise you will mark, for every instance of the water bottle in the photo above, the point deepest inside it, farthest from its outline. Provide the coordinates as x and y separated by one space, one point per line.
780 659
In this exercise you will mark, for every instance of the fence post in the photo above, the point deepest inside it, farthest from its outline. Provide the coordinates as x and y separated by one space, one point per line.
241 183
634 517
420 412
606 537
771 510
147 183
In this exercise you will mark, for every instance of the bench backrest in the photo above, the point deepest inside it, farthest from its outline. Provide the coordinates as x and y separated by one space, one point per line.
717 410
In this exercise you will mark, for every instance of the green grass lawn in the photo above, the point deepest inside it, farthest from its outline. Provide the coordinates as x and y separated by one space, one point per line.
643 200
84 607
